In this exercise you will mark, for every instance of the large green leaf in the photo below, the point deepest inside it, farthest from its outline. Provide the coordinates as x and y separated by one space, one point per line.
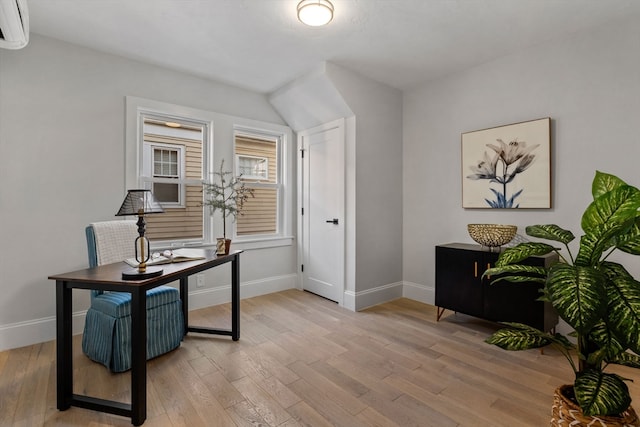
579 295
630 241
598 393
627 359
523 251
598 240
603 183
550 232
610 215
519 337
617 206
623 314
607 346
517 273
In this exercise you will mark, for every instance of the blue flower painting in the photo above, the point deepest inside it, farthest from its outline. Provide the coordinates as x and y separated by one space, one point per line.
501 167
507 167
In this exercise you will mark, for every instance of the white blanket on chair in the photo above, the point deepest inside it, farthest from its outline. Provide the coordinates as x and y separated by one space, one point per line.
115 240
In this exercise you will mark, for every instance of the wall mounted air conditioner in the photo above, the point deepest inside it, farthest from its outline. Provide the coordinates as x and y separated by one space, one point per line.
14 24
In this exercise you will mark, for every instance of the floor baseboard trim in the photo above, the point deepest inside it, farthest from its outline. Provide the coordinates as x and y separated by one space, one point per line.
35 331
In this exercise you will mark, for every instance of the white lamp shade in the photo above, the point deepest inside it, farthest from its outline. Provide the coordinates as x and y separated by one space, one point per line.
315 12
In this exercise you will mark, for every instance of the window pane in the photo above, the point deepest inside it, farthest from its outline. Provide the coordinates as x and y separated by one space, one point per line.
184 220
166 193
250 153
259 213
253 168
165 163
178 223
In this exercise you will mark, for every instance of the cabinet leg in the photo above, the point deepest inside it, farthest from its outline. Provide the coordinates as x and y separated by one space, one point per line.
440 312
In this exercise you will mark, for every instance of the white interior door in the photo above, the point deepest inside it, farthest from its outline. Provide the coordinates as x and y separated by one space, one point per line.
322 212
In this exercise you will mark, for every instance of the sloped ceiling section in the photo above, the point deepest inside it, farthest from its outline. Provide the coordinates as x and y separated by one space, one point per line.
310 101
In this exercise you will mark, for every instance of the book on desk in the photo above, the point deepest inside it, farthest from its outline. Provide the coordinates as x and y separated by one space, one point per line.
168 257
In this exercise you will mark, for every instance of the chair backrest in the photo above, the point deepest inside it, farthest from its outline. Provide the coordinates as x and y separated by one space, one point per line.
110 241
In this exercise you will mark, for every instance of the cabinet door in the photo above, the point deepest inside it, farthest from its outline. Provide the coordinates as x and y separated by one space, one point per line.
458 283
515 302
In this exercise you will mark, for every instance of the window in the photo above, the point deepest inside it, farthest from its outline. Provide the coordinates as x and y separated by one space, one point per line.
257 166
250 167
170 150
172 167
164 167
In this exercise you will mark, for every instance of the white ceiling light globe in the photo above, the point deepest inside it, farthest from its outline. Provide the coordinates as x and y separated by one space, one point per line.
315 13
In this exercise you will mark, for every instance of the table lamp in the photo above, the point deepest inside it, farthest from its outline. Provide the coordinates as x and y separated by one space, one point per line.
141 203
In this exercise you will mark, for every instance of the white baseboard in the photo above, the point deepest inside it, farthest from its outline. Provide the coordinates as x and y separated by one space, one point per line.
418 292
35 331
41 330
356 301
202 298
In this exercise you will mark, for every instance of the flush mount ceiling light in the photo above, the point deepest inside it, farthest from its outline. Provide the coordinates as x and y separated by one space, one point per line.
315 12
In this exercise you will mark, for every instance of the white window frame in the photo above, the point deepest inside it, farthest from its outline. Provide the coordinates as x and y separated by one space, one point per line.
148 178
223 128
284 200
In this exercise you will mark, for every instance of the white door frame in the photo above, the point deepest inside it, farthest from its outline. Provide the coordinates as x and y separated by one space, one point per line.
340 123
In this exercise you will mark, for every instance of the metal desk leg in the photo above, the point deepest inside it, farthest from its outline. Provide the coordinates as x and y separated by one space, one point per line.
235 298
64 346
184 296
138 357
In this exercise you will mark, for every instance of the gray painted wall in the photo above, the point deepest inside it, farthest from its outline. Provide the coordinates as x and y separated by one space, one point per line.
588 84
62 167
378 183
373 172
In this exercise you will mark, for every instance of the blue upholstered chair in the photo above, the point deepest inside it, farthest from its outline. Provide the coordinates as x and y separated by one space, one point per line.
107 328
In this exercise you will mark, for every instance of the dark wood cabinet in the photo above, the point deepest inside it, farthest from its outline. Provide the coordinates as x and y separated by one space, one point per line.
461 288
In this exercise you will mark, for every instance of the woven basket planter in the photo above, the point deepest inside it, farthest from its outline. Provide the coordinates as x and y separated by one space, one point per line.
565 413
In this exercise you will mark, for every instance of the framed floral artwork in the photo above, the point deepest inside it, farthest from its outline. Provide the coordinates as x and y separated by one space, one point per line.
508 167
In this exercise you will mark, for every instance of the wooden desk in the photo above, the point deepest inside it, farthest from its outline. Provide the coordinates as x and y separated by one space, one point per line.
109 278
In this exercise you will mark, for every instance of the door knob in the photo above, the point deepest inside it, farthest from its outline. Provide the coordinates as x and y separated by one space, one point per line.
333 221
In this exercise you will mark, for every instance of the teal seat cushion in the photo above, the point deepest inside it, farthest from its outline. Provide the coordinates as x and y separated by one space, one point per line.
118 304
107 333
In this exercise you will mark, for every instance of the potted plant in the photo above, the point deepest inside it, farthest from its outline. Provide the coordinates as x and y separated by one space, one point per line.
226 193
598 298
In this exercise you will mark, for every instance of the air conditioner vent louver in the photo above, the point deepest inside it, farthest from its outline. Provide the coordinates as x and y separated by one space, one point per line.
14 24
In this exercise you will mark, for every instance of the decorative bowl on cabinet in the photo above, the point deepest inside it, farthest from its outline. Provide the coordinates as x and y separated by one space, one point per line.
492 235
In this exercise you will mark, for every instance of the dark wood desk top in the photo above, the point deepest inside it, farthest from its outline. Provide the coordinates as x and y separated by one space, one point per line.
109 276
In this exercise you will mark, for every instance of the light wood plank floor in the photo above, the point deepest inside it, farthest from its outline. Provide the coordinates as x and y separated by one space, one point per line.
304 361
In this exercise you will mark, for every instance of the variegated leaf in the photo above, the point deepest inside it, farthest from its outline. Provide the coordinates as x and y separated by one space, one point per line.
517 273
623 315
630 241
608 346
550 232
598 393
597 240
578 293
523 251
627 359
617 206
603 183
519 339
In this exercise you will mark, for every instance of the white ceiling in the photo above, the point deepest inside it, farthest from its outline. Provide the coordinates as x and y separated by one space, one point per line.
260 45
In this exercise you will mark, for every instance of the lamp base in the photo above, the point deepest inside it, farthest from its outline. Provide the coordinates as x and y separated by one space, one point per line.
134 274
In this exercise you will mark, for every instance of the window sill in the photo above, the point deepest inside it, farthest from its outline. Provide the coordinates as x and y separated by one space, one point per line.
245 244
262 242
